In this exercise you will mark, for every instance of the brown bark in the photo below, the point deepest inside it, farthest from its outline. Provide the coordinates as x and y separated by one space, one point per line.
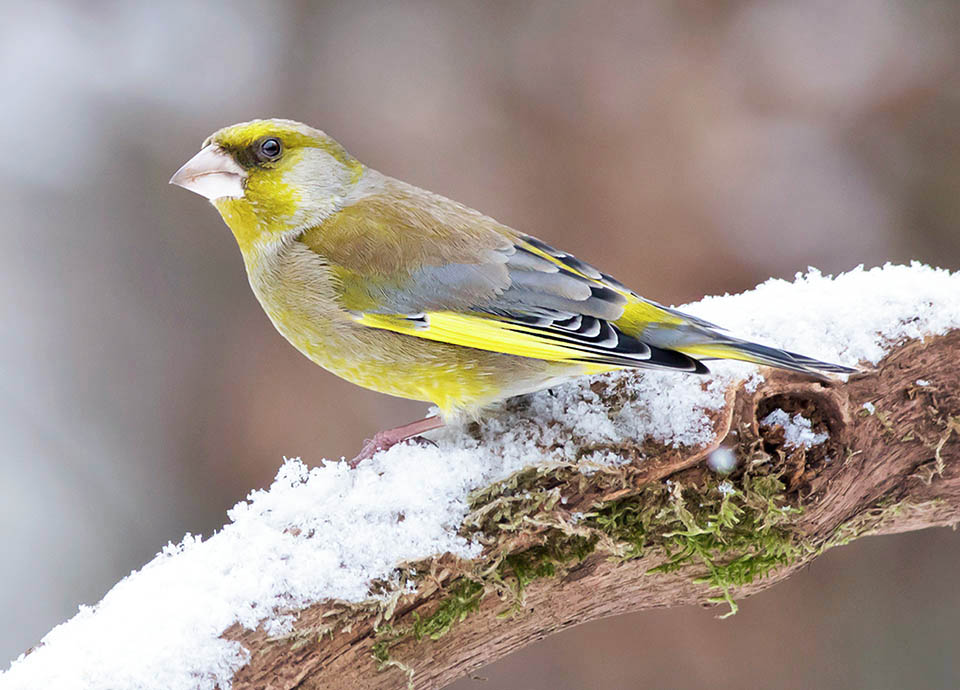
894 470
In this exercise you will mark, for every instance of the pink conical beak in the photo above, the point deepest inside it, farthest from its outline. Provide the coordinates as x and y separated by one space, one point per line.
212 173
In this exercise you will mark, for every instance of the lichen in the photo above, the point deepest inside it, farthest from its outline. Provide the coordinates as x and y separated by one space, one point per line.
884 513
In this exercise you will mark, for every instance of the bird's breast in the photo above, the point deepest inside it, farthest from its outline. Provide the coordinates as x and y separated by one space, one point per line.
299 293
295 288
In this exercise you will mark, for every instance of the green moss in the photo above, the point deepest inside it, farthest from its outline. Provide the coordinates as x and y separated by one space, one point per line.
381 651
737 534
560 551
465 595
464 598
631 521
734 532
504 506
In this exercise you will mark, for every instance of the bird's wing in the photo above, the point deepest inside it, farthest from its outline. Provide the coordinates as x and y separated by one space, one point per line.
455 276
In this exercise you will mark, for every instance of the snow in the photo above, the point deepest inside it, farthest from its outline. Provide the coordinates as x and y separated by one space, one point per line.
722 460
327 532
797 430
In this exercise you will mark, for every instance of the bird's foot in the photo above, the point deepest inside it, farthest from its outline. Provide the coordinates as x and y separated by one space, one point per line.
382 440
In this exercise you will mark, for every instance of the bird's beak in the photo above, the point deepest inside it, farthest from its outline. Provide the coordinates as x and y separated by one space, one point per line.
211 173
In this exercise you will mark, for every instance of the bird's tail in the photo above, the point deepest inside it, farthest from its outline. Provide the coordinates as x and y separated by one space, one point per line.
733 348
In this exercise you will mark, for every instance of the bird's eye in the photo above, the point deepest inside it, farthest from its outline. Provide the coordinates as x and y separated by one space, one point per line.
270 149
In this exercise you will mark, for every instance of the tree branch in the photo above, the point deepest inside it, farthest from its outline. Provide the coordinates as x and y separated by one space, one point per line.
561 547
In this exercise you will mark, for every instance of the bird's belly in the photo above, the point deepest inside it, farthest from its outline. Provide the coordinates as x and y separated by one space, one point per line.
451 386
458 380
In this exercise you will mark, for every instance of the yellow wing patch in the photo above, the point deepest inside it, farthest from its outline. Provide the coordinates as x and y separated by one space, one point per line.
482 333
638 314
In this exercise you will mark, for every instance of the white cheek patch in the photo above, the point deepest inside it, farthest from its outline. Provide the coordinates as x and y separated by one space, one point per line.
215 185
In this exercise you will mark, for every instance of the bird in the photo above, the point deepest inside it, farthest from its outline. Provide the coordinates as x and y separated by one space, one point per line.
412 294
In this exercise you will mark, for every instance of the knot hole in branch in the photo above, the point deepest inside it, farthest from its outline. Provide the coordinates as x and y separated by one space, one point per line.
807 437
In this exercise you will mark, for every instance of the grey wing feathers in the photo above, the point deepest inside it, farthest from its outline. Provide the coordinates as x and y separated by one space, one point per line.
567 301
607 280
784 359
571 302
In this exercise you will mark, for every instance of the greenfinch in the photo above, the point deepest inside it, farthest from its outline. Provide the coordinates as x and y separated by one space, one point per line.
412 294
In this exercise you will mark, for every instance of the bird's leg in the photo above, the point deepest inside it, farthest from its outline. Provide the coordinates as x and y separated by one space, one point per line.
391 437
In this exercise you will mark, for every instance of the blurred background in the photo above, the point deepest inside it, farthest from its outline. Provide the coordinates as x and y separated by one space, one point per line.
687 148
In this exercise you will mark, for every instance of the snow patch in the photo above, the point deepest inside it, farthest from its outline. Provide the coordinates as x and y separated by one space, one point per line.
797 430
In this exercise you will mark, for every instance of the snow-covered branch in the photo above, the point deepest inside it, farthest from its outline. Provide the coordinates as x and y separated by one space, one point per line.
612 494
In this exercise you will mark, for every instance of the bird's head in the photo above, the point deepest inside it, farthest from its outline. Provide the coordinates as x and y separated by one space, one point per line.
270 178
